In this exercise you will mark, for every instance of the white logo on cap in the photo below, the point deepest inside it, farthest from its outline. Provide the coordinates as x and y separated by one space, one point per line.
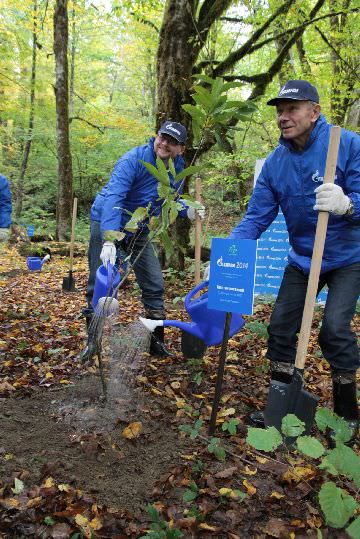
170 126
288 91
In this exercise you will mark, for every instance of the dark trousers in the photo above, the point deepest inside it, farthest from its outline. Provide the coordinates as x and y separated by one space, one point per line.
147 268
145 262
337 340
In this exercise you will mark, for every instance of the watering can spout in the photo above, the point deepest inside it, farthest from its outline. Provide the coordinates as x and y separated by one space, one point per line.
151 324
190 328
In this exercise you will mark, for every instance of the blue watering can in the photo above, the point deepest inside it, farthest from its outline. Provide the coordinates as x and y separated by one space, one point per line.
35 263
107 279
207 324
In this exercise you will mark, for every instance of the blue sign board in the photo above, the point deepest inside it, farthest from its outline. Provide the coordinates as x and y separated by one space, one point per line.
232 269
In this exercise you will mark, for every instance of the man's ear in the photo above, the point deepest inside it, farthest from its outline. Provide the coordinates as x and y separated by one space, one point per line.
316 112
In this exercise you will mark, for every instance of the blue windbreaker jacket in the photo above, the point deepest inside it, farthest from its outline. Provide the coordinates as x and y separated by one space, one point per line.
131 186
288 180
5 203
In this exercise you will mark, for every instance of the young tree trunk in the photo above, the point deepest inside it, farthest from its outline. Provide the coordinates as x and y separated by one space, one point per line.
65 187
20 184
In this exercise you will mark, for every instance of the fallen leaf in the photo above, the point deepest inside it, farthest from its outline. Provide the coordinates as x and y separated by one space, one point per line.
277 495
96 524
204 526
251 490
50 482
297 473
133 430
81 520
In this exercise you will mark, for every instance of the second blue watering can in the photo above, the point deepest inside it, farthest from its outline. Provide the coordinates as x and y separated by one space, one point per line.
207 324
107 279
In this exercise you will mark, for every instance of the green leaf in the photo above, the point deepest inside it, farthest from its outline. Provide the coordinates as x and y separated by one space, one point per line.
153 170
292 426
172 168
310 446
264 439
137 217
153 514
230 425
336 504
326 418
344 461
240 494
49 521
354 529
192 493
195 113
189 170
216 449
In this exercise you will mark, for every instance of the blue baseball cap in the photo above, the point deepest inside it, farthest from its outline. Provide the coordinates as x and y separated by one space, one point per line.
298 90
174 130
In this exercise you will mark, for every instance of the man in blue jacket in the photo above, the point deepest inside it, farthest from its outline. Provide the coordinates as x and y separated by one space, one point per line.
291 178
5 208
132 186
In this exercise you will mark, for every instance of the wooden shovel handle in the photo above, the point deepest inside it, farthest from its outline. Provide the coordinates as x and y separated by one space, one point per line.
317 255
73 233
197 233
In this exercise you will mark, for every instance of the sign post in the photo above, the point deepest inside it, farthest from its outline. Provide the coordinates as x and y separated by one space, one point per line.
231 289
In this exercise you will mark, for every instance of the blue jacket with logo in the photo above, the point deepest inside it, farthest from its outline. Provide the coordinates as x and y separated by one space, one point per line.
131 186
288 180
5 203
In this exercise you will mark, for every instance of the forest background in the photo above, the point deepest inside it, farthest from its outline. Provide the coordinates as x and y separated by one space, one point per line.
130 65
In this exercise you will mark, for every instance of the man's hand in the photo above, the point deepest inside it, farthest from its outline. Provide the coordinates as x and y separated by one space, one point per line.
330 197
193 212
4 234
108 253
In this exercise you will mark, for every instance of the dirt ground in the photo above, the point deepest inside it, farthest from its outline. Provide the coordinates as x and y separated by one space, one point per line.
73 435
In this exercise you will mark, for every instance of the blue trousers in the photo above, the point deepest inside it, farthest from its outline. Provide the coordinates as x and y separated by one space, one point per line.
337 341
94 261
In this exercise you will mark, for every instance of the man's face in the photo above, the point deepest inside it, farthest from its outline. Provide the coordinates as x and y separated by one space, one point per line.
166 147
296 120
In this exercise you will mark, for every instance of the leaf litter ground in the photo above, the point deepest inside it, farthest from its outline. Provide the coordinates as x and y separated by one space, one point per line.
72 462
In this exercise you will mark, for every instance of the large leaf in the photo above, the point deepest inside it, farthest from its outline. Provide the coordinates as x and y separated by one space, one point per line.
344 461
336 504
354 529
310 446
325 418
264 439
292 426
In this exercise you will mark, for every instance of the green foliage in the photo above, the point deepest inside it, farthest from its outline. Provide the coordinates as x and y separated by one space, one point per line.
49 521
196 367
216 449
258 328
354 529
325 418
230 426
213 111
337 505
191 493
310 446
291 426
264 439
193 432
159 529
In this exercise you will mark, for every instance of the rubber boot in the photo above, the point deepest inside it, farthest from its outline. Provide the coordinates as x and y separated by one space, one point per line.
157 346
280 372
345 404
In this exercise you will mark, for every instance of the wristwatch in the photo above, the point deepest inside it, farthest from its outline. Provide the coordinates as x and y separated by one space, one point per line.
350 209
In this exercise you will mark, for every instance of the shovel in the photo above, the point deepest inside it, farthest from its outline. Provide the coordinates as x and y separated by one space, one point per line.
191 345
69 281
291 398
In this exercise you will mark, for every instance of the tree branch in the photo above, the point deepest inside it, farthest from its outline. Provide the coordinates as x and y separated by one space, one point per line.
99 128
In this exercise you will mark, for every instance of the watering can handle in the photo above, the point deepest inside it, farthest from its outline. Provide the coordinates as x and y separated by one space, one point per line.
194 291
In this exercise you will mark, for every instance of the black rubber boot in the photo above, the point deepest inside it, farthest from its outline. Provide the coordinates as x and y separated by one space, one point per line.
257 418
157 346
345 404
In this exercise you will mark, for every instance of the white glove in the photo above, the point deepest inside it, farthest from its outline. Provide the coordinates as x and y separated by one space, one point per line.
4 234
108 253
207 273
330 197
193 212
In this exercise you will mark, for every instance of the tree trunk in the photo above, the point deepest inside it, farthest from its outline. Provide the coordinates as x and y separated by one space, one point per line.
25 159
65 187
